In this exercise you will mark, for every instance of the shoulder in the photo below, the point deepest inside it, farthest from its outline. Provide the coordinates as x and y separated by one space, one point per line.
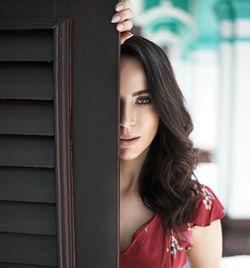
207 246
207 210
206 230
208 207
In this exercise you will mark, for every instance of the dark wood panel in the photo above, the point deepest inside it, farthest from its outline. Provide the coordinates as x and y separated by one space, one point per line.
26 117
36 45
27 184
95 113
25 80
17 217
27 151
11 265
28 249
13 9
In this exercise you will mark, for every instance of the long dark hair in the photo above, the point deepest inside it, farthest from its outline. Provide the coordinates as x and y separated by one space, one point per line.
165 183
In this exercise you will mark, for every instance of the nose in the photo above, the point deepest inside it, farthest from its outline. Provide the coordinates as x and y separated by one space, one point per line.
127 119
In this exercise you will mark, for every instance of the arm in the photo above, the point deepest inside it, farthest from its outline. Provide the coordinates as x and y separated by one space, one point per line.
122 18
207 250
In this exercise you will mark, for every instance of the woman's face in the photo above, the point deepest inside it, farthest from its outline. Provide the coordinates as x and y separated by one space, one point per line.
137 116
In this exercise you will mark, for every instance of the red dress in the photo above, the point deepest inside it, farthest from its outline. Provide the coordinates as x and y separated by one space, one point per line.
149 247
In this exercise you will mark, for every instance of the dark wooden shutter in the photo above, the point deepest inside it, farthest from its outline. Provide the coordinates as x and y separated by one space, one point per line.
27 149
34 144
58 134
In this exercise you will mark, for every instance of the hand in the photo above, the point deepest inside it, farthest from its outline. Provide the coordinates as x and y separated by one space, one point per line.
122 17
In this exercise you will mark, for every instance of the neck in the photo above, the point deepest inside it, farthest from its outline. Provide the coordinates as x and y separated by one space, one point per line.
129 174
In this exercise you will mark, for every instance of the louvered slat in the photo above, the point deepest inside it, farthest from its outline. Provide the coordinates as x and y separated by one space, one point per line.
28 249
26 80
27 218
26 117
26 45
27 184
11 265
26 151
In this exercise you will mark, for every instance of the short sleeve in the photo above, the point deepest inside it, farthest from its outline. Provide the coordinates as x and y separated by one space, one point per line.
208 208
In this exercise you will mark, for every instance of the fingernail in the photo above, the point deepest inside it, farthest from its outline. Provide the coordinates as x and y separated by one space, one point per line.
119 8
119 27
116 18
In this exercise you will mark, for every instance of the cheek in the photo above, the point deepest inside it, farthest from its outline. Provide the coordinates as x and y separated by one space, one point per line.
150 122
154 124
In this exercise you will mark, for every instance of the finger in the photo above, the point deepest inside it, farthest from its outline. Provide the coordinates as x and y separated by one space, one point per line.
123 5
125 36
122 16
126 25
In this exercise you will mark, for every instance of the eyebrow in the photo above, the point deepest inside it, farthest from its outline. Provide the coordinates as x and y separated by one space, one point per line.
140 92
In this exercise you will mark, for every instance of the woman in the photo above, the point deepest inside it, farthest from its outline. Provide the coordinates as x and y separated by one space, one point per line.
165 216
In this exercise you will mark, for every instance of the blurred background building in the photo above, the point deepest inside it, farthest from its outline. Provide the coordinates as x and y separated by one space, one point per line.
208 43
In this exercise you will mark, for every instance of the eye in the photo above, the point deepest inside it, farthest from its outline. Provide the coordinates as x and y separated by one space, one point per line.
144 100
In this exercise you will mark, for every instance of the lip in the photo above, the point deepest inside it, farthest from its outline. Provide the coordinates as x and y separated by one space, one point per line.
133 140
128 137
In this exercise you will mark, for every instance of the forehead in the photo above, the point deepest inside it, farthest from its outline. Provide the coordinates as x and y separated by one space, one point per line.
132 76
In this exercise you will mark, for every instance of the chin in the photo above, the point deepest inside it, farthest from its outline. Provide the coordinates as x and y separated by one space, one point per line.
128 156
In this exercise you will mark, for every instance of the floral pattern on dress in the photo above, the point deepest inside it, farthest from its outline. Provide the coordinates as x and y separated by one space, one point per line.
174 246
207 201
207 198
